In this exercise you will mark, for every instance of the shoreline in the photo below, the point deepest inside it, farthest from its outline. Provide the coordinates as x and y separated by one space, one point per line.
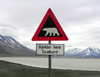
48 67
45 57
57 63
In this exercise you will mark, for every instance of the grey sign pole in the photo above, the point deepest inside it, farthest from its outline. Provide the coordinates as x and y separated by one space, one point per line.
49 63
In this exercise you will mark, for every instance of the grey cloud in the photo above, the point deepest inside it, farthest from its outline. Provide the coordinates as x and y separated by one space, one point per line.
21 18
95 33
8 30
81 12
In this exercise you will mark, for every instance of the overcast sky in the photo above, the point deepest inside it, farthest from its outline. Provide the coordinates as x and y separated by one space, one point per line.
80 20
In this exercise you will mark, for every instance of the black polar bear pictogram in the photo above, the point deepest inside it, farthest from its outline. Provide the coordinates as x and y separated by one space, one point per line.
51 31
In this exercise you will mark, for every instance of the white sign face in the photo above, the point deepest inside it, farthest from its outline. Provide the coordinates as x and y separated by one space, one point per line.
50 49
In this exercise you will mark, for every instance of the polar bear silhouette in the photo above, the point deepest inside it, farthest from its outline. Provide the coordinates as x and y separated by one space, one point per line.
51 31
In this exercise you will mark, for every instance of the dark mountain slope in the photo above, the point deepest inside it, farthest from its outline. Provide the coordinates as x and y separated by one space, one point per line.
10 47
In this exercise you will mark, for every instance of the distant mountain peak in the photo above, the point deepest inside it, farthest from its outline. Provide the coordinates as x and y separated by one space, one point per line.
88 52
93 50
73 51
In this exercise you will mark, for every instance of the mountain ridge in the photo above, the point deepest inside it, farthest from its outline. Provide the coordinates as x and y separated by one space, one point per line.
88 52
11 47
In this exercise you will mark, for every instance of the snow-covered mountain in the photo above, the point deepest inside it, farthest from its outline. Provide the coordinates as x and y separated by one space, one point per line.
91 52
9 41
9 46
74 51
88 52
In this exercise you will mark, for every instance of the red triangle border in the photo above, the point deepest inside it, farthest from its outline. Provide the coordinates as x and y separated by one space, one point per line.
36 38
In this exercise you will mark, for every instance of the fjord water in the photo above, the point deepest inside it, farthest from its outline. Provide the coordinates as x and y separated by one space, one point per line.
58 63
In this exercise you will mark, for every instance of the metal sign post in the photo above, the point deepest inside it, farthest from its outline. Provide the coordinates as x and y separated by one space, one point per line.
49 63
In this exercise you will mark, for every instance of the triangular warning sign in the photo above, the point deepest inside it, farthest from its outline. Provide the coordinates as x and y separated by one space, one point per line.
49 29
